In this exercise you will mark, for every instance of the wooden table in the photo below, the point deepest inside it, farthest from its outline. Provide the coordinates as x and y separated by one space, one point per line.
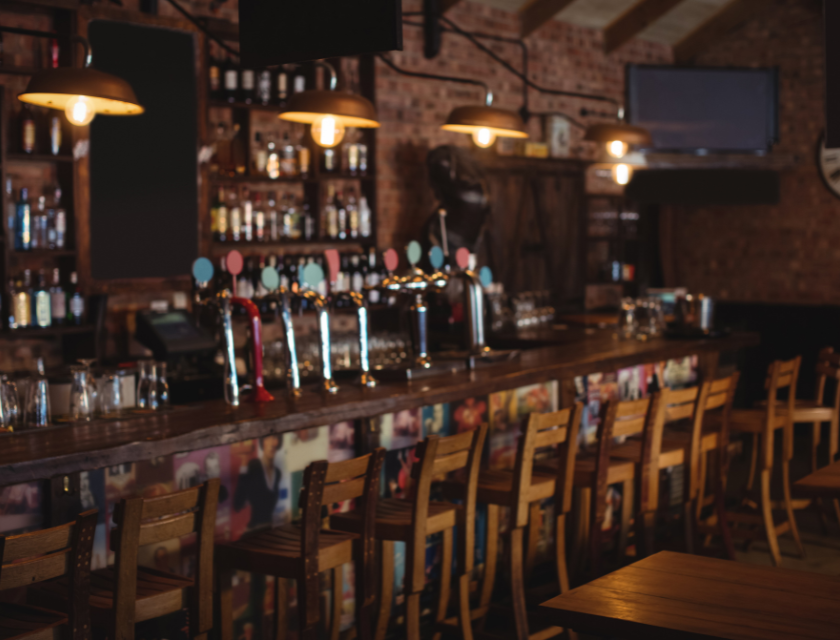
823 483
673 595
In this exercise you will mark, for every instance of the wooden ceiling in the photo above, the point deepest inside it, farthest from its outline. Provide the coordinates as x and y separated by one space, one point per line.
686 25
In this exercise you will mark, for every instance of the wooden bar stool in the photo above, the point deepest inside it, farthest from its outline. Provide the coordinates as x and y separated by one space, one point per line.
762 424
520 490
127 594
302 551
413 520
48 554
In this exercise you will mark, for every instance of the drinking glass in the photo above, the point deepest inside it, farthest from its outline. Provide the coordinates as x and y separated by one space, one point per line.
91 383
110 394
81 403
38 399
152 400
162 386
628 323
10 402
142 384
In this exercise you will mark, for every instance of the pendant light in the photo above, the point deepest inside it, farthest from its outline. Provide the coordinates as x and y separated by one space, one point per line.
81 93
617 138
330 112
485 123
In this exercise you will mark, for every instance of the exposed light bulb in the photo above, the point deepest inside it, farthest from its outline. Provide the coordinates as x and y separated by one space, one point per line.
484 137
327 131
79 110
617 148
622 173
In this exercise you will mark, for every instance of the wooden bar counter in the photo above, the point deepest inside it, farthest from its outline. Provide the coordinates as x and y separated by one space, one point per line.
37 455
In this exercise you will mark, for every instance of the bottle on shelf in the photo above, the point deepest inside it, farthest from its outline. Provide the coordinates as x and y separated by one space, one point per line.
288 161
259 219
55 134
272 165
352 215
304 159
365 218
54 53
281 87
238 151
373 277
58 300
22 302
23 222
357 277
260 155
214 70
331 213
308 221
247 85
235 217
27 129
329 160
11 214
299 82
60 221
41 300
292 223
342 275
342 216
39 225
363 159
272 216
351 158
76 306
219 217
231 80
264 87
247 216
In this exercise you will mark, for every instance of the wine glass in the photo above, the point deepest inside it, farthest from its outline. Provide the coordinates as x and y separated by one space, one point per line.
110 394
38 399
81 403
10 402
87 363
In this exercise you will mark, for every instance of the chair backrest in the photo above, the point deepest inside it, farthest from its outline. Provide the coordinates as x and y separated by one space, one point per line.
34 557
618 418
437 457
781 375
327 483
143 521
828 368
557 428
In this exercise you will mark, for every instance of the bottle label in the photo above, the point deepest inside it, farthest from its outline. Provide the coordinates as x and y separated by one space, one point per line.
77 306
358 281
55 135
60 221
29 136
231 83
247 80
282 86
23 309
264 87
59 304
300 84
222 220
43 314
259 224
304 156
215 78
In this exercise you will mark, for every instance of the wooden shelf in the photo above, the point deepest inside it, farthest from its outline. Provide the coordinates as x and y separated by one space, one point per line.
291 179
291 246
243 105
43 253
37 157
47 332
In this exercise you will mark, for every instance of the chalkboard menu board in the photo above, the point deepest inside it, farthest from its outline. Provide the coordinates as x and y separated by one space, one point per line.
143 169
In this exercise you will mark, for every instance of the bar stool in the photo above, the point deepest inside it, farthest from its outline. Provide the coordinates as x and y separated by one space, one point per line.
762 424
411 521
302 551
128 594
48 554
520 490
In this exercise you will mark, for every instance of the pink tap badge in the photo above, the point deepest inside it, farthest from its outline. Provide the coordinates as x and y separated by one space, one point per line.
392 259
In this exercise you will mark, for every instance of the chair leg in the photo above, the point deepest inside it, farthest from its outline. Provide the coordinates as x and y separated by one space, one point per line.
534 531
491 561
445 579
412 596
337 601
580 548
690 525
645 528
308 597
702 474
753 462
560 552
767 513
281 608
517 584
464 613
723 521
412 616
386 587
627 507
225 585
789 508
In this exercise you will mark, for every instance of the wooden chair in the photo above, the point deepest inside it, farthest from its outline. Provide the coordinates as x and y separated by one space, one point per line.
127 594
762 423
301 551
48 554
413 520
520 490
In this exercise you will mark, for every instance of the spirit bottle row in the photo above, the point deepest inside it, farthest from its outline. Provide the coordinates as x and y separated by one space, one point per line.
231 82
39 224
44 303
41 132
243 216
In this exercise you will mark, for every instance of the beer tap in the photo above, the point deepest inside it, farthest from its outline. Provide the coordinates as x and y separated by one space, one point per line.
473 302
283 299
313 274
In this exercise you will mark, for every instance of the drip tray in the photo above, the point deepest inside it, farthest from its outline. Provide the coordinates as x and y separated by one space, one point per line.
478 362
439 367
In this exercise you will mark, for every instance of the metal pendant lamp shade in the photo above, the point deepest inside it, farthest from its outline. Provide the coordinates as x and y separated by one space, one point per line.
500 122
626 133
350 109
107 94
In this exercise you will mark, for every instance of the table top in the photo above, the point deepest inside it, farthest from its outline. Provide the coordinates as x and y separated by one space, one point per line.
674 596
823 483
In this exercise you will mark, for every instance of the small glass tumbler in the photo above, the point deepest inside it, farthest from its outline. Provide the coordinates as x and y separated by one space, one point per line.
81 400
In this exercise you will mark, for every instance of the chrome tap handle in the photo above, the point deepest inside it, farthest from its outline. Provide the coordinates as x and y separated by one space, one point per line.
474 306
358 301
292 368
322 309
231 379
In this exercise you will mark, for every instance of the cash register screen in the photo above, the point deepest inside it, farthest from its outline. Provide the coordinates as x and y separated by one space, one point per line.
175 326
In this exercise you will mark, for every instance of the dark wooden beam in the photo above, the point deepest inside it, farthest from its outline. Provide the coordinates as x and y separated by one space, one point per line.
537 12
446 5
633 21
719 24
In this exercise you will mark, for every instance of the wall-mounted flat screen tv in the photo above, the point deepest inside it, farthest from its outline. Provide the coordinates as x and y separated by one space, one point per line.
705 110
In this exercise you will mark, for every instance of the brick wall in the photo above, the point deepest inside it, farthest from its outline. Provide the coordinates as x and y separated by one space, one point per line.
789 253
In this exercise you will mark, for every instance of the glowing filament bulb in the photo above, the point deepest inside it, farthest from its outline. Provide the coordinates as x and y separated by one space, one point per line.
328 131
484 137
79 110
622 173
617 148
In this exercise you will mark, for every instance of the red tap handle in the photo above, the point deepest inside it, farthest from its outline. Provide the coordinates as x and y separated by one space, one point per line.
260 393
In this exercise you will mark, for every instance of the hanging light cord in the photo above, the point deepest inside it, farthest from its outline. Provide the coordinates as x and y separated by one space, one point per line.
55 36
488 95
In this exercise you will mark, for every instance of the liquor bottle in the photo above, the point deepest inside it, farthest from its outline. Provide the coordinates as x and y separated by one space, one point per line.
23 302
342 216
55 134
218 217
264 87
342 276
308 221
289 275
54 53
331 213
246 85
59 222
235 217
373 278
238 152
58 300
272 164
27 129
76 307
231 80
363 159
322 286
11 322
23 222
11 214
260 155
282 87
273 222
215 72
304 159
288 162
292 223
42 303
247 216
329 164
299 83
357 277
39 225
365 218
259 219
352 215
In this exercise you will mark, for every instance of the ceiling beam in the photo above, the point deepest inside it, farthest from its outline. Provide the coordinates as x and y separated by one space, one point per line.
633 21
536 13
719 24
446 5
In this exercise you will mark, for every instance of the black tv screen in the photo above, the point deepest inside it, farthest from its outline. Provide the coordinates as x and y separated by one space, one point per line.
704 109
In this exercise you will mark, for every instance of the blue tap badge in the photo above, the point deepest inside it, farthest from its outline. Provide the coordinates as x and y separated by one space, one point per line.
436 257
313 274
270 278
413 252
486 276
202 270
